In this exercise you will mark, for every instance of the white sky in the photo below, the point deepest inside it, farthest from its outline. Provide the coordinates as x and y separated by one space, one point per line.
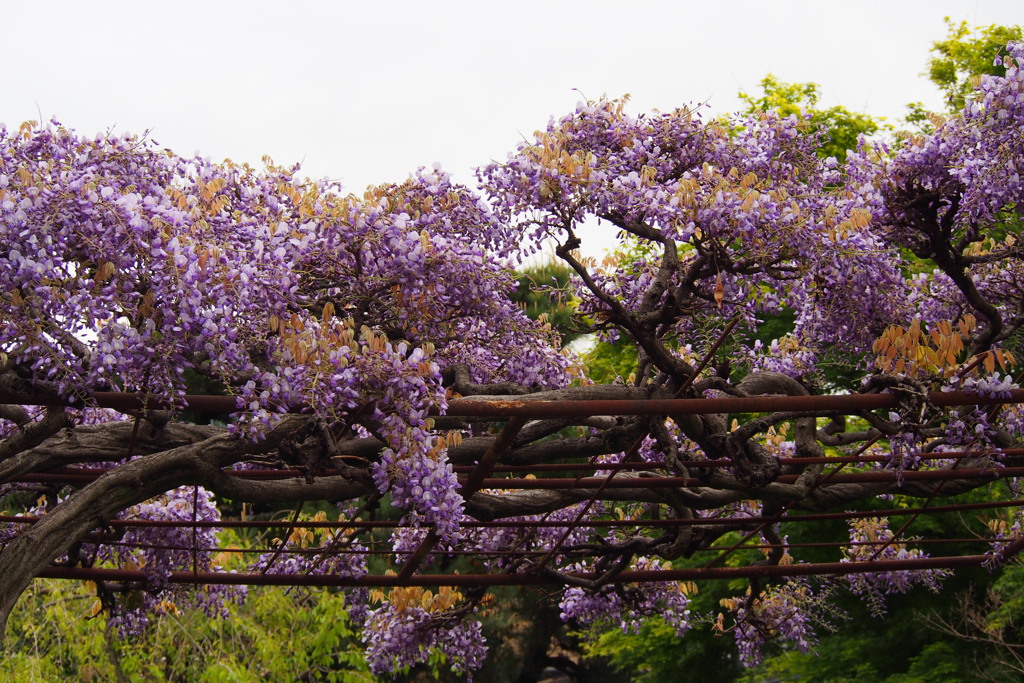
366 92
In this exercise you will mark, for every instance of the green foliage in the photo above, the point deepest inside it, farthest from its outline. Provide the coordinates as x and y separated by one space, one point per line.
965 55
855 652
939 662
839 126
656 654
606 362
546 289
49 640
833 660
1008 600
851 660
277 635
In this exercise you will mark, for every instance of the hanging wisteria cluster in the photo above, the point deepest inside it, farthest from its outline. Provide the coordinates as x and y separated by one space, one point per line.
874 586
351 332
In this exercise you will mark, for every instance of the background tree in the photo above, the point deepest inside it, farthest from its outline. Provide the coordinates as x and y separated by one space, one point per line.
838 127
967 54
959 62
545 289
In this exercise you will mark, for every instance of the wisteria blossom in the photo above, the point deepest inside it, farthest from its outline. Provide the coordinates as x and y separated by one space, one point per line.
367 355
871 539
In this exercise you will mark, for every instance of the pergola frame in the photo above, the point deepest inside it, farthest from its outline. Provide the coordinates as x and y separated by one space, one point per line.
515 413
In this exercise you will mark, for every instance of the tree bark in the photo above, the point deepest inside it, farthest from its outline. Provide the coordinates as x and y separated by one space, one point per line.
129 484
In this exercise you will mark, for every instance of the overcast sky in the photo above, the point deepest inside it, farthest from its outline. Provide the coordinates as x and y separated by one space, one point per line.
365 92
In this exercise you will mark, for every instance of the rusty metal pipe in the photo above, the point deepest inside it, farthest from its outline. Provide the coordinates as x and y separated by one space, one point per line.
471 580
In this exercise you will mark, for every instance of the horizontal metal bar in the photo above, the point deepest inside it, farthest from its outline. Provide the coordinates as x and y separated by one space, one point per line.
561 483
292 473
334 552
588 483
526 579
529 524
